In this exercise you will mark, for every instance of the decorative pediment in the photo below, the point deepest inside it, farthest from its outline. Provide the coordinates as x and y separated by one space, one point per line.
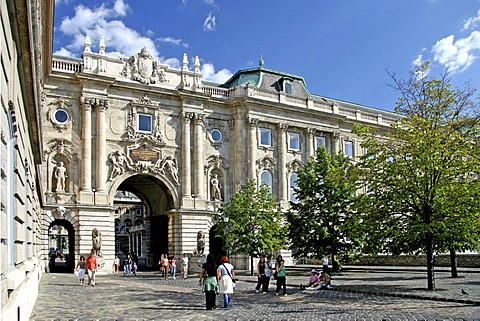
266 162
294 166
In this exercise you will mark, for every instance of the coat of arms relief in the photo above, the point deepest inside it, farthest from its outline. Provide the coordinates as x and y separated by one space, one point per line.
143 68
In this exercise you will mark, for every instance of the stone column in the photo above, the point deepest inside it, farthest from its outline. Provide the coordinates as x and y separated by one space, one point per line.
336 143
199 174
252 147
310 134
101 170
86 106
186 155
282 156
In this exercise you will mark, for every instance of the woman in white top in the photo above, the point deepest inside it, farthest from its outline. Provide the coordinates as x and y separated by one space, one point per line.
226 275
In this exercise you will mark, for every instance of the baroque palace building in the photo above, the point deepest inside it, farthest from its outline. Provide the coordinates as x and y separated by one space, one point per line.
127 154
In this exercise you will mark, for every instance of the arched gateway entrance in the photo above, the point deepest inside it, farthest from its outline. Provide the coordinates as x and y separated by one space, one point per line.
61 241
142 203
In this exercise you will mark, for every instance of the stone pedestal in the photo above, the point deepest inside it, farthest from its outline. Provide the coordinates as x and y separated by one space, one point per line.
195 263
102 266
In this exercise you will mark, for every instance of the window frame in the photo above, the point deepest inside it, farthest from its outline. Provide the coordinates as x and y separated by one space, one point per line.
292 197
292 135
216 130
317 138
262 130
266 171
139 115
345 149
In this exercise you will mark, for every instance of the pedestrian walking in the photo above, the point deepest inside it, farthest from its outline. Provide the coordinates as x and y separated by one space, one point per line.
325 264
81 266
116 264
173 267
226 283
164 266
281 278
260 274
268 274
208 280
91 268
127 265
185 265
134 268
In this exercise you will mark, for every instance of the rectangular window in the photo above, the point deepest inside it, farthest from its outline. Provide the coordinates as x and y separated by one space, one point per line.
265 137
293 141
145 123
319 141
348 148
288 88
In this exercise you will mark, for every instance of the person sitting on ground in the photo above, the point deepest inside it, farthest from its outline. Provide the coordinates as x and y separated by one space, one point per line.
313 279
324 282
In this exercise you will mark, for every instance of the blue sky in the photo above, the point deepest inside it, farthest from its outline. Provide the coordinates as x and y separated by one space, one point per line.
342 48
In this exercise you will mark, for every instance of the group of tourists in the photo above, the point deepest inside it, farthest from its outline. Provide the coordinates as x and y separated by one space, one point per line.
168 266
130 264
214 279
265 271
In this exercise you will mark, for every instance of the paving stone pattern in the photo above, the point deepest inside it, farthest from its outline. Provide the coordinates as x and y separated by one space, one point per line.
384 295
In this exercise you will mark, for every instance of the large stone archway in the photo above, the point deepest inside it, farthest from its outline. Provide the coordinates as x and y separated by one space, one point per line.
143 205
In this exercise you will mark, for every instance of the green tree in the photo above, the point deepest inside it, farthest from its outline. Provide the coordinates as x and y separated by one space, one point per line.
421 178
255 222
319 218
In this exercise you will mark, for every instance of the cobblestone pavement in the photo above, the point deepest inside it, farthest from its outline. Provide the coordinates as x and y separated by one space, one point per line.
354 296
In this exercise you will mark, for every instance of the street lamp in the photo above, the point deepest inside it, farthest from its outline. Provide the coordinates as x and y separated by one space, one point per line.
225 220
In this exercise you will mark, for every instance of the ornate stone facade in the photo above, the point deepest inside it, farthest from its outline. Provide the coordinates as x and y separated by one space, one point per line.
182 146
100 125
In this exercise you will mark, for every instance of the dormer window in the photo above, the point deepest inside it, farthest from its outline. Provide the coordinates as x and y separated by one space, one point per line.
287 85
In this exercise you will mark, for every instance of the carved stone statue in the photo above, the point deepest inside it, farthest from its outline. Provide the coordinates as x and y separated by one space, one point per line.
200 243
60 177
170 164
96 242
119 162
215 191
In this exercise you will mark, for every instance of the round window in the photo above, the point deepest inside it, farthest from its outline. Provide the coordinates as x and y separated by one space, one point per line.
216 135
61 116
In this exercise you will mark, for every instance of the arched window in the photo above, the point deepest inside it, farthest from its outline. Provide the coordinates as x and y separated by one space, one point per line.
293 185
266 177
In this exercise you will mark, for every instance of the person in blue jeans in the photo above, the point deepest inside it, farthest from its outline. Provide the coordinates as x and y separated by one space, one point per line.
126 265
281 277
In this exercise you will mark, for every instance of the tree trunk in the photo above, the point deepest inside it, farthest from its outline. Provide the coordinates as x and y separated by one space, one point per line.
251 264
430 273
453 263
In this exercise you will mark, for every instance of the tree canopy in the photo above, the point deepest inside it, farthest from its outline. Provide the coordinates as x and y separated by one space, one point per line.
255 221
421 178
318 219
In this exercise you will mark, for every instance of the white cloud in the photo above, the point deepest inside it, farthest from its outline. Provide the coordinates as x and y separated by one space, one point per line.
209 74
173 41
472 22
64 53
102 21
172 62
458 55
210 23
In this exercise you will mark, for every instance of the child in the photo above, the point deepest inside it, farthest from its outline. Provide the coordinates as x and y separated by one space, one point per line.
134 268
